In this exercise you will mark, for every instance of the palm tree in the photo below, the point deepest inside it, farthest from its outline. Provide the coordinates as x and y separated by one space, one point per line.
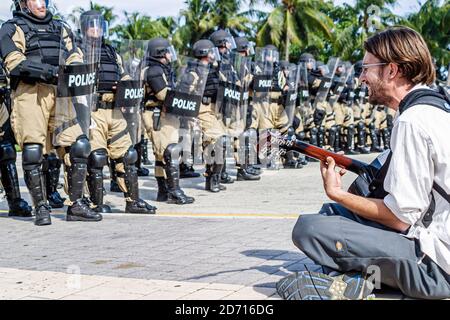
107 12
294 22
195 22
432 22
138 27
227 15
352 25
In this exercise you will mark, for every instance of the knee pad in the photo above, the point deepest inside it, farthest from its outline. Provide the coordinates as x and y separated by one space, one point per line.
314 131
390 121
32 156
250 134
372 126
53 161
334 130
7 153
80 149
173 153
290 131
301 135
318 116
130 157
351 128
98 159
361 126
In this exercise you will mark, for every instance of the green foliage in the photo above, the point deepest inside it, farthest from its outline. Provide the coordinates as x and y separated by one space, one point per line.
294 26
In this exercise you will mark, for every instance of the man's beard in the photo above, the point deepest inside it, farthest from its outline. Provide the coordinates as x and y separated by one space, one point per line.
377 95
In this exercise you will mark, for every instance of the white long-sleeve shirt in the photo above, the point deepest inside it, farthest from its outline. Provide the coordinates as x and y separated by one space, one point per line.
420 143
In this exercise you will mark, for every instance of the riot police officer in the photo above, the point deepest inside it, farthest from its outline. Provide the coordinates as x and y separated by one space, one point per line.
162 127
110 135
247 171
31 49
223 41
214 131
9 177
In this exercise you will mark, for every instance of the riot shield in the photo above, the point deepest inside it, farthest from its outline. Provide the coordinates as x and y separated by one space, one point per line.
328 72
130 90
361 97
185 98
290 91
350 87
230 107
343 71
263 74
77 79
303 88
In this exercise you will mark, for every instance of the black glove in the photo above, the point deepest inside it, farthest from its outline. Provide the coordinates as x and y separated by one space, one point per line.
318 116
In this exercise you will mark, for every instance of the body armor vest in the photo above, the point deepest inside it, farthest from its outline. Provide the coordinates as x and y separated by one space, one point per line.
154 78
109 71
212 84
43 38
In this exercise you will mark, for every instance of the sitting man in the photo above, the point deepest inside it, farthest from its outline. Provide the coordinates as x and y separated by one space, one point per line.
402 233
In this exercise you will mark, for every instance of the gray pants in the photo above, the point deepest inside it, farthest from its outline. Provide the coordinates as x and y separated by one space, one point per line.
338 239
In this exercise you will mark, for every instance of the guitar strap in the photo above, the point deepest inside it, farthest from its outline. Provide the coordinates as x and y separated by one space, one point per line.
441 100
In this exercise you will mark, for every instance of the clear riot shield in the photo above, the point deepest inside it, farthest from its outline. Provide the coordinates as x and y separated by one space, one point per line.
362 92
185 98
290 94
130 90
77 79
303 88
341 76
183 102
351 87
328 72
230 109
263 74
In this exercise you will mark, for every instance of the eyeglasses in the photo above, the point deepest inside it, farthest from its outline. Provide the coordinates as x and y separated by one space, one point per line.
365 67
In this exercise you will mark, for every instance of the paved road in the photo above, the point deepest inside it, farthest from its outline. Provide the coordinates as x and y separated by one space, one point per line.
236 243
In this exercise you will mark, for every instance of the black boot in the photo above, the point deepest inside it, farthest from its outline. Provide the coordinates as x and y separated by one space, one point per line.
175 194
349 141
51 171
145 160
321 137
386 138
361 133
76 178
95 186
225 178
187 171
133 203
337 141
213 178
34 180
162 190
141 171
114 186
244 175
10 181
332 137
290 161
375 147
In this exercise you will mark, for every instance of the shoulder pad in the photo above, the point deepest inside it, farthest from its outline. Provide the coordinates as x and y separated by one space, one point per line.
7 45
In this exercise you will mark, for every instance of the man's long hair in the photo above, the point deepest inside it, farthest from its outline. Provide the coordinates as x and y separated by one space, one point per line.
406 48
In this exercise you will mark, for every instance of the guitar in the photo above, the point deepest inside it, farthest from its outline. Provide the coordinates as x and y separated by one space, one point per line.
370 176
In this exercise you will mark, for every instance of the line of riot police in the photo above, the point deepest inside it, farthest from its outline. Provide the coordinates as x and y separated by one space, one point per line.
80 102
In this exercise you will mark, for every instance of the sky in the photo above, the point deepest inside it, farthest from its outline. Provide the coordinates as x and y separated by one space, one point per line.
156 8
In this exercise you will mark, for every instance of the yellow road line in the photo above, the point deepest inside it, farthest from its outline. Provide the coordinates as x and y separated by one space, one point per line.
216 215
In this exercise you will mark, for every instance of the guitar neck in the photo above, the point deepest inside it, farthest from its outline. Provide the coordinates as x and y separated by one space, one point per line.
315 152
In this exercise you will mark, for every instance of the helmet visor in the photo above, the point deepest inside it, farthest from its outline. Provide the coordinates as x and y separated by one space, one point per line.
214 54
173 53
